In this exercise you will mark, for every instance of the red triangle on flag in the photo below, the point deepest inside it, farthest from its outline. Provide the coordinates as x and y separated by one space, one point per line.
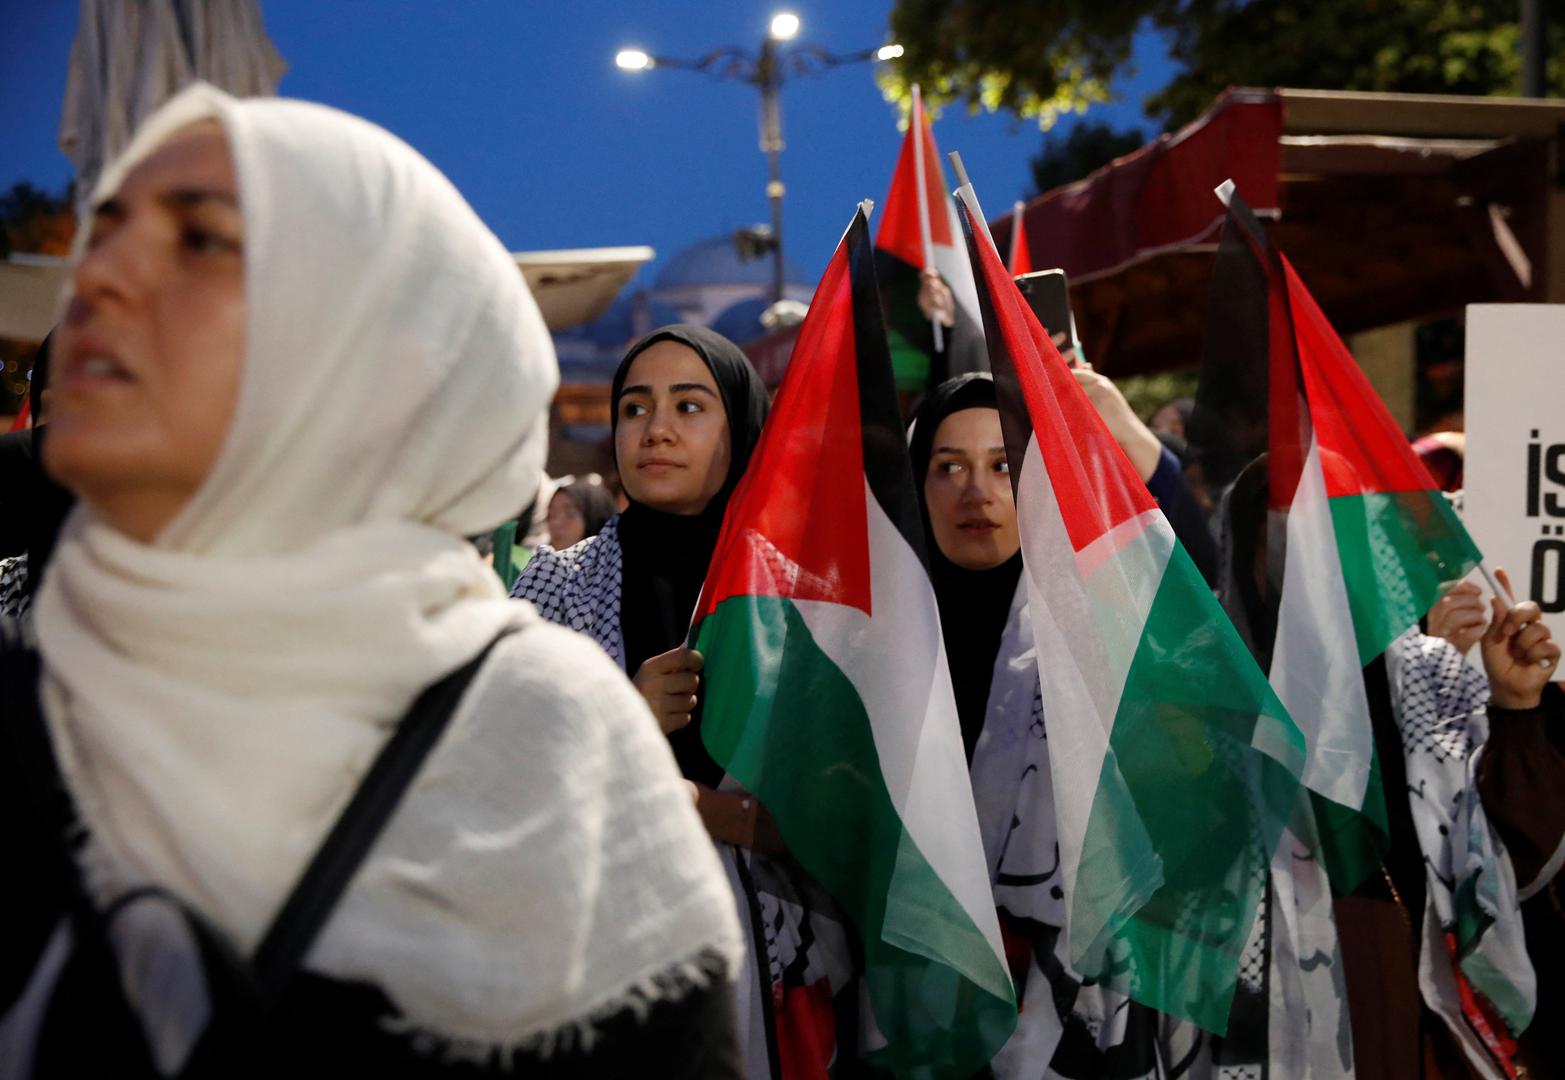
777 538
899 227
1097 488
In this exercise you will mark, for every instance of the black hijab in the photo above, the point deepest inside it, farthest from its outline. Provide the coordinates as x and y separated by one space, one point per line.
974 604
666 555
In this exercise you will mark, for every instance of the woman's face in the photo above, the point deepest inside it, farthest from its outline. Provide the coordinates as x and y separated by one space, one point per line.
567 526
672 442
148 359
968 491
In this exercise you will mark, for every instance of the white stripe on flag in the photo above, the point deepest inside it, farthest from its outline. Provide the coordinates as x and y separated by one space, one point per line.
1315 662
1087 631
896 661
957 268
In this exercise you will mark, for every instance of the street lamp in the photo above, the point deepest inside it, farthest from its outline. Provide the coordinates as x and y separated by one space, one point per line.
764 69
633 60
785 26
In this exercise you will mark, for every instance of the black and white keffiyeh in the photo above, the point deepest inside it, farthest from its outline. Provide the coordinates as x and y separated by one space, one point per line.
800 951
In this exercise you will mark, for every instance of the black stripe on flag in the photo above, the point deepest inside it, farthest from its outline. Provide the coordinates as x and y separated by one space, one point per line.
1015 420
887 467
1229 426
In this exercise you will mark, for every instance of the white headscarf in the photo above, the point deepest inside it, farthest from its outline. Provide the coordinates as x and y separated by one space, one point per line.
216 695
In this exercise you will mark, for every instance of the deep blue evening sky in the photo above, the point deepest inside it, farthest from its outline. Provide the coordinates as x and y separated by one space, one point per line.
520 103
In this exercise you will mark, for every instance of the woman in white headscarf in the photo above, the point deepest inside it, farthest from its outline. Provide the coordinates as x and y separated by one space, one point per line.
295 371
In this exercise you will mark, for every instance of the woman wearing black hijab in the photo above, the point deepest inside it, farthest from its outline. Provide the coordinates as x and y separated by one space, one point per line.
688 409
975 557
1066 1029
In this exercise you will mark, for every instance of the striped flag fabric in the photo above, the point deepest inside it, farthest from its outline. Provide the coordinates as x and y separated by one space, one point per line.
1175 766
919 202
827 691
1364 540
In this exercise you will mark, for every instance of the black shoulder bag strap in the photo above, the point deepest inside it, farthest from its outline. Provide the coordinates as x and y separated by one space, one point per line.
300 920
304 913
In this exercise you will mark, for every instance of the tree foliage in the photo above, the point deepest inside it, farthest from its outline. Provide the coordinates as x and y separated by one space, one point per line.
35 221
1036 58
1409 46
1046 58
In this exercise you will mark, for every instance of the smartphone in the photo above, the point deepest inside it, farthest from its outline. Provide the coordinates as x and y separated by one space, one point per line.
1048 294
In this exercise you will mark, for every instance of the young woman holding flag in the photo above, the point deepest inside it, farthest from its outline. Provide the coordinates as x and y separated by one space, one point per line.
688 409
1066 1030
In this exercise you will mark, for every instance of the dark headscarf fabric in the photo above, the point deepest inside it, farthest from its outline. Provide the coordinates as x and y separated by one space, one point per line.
974 604
594 502
38 380
666 555
32 505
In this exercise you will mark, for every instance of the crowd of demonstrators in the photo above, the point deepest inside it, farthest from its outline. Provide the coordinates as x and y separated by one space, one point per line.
280 329
1465 761
293 784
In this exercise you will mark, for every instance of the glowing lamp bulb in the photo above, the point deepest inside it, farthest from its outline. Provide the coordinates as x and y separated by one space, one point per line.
785 24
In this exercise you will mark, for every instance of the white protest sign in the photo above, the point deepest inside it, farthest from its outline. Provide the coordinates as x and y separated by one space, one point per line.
1514 471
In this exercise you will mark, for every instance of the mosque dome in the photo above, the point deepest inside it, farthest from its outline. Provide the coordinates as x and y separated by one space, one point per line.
716 261
740 322
618 325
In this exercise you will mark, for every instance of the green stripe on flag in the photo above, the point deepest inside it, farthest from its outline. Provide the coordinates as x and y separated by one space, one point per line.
1353 840
1397 549
789 726
1496 987
1184 745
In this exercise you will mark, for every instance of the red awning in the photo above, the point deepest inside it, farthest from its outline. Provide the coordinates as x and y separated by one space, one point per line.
1393 207
1159 197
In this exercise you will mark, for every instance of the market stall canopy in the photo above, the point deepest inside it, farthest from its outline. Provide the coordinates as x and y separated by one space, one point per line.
571 287
1392 206
29 295
129 58
575 286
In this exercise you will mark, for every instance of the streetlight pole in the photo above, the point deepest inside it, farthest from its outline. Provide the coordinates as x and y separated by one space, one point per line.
765 70
1534 33
769 78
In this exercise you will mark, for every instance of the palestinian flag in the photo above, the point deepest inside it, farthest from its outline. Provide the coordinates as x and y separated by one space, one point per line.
828 694
1175 767
1358 533
1021 256
918 206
